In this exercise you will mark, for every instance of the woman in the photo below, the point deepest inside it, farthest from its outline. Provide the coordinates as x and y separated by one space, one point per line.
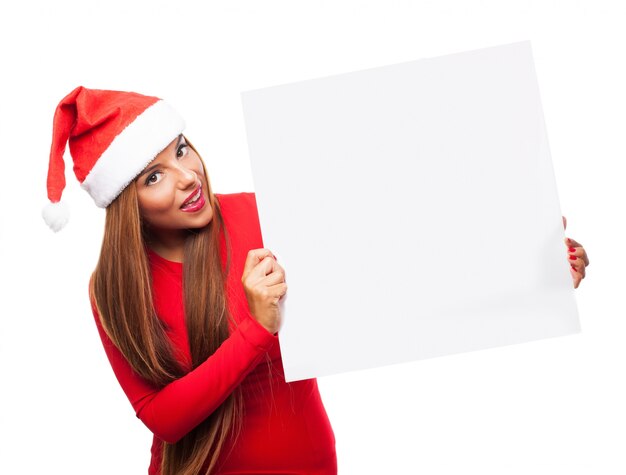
205 376
185 297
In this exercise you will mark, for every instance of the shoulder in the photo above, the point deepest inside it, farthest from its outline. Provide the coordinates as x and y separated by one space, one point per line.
236 200
241 217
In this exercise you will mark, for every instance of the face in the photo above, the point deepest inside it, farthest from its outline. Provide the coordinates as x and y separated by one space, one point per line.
173 192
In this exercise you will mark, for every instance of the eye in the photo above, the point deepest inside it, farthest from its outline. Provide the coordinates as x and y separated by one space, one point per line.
182 150
153 178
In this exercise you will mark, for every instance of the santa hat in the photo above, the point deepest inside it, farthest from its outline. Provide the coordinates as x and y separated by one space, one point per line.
112 136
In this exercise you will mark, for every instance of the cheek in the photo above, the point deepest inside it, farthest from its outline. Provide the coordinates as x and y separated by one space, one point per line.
156 201
196 164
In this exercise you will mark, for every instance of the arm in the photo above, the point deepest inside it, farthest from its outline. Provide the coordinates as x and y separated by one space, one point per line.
174 410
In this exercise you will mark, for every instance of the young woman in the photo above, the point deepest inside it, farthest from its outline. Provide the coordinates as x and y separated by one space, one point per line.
185 297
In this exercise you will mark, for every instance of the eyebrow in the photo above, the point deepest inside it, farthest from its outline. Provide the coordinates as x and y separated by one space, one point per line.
149 169
180 139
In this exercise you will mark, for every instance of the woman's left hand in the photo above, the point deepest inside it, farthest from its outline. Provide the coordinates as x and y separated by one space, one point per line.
577 257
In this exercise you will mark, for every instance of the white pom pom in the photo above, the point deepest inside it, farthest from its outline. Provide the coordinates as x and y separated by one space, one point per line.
56 215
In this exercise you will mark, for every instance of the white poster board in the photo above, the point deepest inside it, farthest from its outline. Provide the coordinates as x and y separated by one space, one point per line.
414 208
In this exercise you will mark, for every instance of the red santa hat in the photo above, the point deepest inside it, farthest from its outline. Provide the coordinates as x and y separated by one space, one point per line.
112 137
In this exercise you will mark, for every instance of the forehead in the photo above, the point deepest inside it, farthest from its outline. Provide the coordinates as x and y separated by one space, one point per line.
173 144
168 150
163 155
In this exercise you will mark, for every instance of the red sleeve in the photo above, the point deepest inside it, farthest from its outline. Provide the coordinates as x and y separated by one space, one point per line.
174 410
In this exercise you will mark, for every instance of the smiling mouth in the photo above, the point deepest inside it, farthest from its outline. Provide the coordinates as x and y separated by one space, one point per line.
193 198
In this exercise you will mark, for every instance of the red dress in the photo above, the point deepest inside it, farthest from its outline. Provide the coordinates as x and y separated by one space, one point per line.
285 427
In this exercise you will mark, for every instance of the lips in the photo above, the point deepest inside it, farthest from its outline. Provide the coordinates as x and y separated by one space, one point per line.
194 201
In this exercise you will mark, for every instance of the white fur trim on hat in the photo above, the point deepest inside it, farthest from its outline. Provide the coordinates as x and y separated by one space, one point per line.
131 151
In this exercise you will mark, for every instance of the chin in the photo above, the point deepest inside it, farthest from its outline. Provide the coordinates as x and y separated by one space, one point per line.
203 221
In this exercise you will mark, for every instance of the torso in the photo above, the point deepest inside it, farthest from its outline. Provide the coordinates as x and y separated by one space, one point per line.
285 426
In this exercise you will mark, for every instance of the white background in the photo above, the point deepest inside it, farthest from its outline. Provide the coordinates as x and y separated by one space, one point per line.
548 407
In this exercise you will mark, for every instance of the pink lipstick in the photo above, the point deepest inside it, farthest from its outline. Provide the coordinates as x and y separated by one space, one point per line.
194 202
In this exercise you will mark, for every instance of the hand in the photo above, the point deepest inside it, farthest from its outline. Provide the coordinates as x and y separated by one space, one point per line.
264 284
580 261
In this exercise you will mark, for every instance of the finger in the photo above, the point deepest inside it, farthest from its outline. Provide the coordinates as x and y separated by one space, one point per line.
260 271
253 258
578 265
576 278
277 291
276 276
269 268
274 293
564 222
572 243
580 253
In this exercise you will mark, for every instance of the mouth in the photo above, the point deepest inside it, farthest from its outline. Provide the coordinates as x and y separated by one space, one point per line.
194 201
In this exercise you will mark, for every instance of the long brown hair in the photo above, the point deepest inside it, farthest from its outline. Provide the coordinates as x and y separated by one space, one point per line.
122 291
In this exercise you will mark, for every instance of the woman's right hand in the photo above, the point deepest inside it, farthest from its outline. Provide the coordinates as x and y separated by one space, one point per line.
264 283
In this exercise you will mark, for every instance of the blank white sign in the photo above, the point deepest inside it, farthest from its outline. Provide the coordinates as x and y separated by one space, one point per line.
414 208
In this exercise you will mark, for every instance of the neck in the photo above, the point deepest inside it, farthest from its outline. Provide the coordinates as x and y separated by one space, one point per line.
170 246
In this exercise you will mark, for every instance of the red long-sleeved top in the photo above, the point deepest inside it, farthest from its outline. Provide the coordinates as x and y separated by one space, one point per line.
285 427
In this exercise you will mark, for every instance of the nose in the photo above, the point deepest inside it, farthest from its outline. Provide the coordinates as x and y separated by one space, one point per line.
186 177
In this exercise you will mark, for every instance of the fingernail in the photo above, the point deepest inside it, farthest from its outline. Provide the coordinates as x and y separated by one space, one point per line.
571 249
573 267
573 258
